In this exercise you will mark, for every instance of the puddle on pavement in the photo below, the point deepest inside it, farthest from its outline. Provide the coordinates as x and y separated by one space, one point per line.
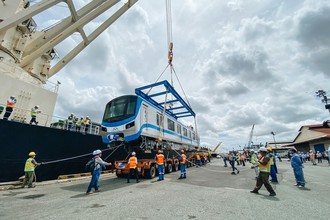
33 196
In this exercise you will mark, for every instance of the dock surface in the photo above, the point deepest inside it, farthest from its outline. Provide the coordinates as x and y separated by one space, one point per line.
209 192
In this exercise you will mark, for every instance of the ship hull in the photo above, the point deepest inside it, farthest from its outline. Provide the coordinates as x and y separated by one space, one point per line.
71 149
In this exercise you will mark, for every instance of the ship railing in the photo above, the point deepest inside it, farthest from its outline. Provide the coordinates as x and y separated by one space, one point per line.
24 116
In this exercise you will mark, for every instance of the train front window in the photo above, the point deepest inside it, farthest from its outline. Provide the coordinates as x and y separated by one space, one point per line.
120 109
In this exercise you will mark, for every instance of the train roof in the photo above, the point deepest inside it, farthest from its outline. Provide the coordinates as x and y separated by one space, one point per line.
178 107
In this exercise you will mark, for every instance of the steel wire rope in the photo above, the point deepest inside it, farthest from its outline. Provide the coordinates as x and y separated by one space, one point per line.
71 158
204 168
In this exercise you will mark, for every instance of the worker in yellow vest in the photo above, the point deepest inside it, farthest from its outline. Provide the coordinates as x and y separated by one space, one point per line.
160 164
183 163
29 168
87 123
132 162
264 170
79 123
34 111
70 121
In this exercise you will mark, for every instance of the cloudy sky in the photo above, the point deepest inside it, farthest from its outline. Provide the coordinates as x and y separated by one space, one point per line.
240 62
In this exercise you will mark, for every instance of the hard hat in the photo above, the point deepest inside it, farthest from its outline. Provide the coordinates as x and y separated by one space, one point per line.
133 153
294 149
12 96
310 151
182 151
71 113
160 151
37 106
262 149
32 154
269 149
87 116
252 150
81 117
97 152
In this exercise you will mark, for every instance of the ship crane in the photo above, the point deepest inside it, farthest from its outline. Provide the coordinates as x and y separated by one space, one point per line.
26 53
250 138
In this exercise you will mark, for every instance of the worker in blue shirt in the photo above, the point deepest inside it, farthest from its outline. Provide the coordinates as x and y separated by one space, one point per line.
297 166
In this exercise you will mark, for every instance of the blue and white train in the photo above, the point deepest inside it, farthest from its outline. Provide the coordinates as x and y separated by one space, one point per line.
143 123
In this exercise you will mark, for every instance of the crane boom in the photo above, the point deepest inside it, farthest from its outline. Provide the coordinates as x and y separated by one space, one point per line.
250 137
216 147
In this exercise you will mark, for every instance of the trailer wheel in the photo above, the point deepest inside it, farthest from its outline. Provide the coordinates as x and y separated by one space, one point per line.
175 167
119 174
169 168
151 173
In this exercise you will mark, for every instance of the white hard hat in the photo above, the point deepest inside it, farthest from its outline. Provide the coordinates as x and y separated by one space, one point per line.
87 116
96 152
263 149
37 106
252 150
133 153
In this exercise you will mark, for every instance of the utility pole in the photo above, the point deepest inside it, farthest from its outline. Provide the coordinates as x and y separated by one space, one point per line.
272 133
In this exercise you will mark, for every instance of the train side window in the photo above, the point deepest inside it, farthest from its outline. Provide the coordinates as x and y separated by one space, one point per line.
178 128
170 125
185 132
159 120
189 134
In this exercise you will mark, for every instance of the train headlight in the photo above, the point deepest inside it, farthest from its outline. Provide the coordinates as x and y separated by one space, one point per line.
129 125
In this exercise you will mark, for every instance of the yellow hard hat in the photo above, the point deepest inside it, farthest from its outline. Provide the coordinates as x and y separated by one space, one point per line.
269 149
32 154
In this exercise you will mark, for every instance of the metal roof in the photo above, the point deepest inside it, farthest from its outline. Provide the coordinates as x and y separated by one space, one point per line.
178 108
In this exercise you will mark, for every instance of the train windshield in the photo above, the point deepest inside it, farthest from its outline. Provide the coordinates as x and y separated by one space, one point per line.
120 109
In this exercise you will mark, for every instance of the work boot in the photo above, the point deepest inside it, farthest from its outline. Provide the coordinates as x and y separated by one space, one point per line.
272 194
184 177
233 173
254 191
180 178
137 181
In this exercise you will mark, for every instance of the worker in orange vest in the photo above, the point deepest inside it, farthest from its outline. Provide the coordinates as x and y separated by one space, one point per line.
9 107
132 162
198 160
160 163
183 163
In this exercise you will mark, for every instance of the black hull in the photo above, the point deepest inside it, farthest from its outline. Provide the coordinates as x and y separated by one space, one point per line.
50 144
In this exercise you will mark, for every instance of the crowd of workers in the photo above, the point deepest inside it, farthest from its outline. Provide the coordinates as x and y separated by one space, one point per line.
77 124
263 162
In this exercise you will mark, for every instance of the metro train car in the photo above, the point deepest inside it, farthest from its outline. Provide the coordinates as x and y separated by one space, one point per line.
143 123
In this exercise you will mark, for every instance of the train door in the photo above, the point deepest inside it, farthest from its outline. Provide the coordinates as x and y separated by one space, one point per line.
144 116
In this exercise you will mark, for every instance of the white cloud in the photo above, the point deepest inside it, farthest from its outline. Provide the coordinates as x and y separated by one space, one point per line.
240 63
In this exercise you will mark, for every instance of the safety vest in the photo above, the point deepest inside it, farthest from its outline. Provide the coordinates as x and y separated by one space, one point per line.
87 121
198 157
33 112
10 103
183 158
264 168
132 162
312 156
271 161
70 119
160 159
79 123
29 166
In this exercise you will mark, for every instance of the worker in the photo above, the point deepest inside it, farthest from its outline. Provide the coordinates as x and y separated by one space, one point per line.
160 164
183 161
87 123
297 166
9 107
34 112
132 162
99 164
79 123
254 162
198 160
70 121
312 157
232 163
225 158
29 168
272 165
264 170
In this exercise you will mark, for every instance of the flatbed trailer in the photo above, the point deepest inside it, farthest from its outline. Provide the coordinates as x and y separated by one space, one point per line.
146 167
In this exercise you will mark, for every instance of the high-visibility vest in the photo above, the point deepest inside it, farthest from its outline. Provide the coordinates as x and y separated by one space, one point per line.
198 157
79 123
271 161
70 119
160 159
312 156
264 168
33 112
132 162
183 158
29 166
10 103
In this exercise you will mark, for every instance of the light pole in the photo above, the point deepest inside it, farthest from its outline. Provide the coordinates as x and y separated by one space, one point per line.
272 133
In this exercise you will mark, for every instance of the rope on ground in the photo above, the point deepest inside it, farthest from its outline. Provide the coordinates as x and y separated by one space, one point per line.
204 168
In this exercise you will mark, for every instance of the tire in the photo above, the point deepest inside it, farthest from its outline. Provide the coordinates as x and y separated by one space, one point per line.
169 168
151 173
175 167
